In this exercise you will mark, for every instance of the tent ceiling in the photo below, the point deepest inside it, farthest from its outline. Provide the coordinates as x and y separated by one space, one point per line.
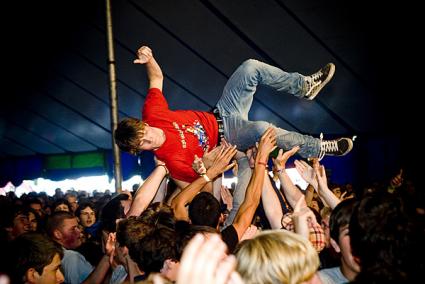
57 101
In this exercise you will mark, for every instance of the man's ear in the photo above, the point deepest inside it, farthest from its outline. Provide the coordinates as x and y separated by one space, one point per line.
335 245
31 276
57 234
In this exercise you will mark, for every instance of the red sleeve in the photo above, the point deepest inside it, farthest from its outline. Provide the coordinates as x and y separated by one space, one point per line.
154 102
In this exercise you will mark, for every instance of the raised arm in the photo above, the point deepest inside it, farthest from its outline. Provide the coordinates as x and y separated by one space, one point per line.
271 205
220 165
253 192
291 192
147 191
155 77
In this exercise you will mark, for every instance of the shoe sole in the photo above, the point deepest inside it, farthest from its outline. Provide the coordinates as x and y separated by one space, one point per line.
330 75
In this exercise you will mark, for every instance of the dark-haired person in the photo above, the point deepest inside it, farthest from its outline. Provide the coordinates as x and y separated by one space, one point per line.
34 258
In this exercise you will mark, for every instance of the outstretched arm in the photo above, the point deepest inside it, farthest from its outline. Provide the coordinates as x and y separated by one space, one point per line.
220 165
253 192
155 76
146 192
291 192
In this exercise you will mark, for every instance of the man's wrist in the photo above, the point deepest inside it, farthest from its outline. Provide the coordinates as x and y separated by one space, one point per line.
207 179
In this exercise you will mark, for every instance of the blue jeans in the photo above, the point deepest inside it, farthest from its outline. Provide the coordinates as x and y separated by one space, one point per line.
236 102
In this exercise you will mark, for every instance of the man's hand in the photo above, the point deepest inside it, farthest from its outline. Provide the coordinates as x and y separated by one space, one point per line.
198 166
266 145
221 162
282 157
210 156
306 172
144 54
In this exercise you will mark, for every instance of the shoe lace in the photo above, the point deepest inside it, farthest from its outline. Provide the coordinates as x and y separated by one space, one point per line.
327 146
313 81
317 76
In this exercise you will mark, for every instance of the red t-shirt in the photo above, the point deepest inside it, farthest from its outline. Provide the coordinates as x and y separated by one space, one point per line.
187 133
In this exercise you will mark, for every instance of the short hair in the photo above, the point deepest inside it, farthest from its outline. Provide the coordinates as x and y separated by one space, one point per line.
204 210
127 135
131 230
277 256
59 202
111 212
386 240
83 206
32 250
154 248
340 217
159 213
55 221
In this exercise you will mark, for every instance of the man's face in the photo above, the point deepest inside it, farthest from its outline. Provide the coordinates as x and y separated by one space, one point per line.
72 200
37 208
151 139
20 225
51 273
345 246
70 234
33 221
87 217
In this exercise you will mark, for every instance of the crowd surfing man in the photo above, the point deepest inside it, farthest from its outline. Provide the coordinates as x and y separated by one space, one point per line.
177 136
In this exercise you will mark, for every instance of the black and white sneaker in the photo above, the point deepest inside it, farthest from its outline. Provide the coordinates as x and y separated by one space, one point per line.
315 82
337 147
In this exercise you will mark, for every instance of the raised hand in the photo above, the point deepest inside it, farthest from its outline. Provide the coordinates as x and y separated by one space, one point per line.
198 166
266 145
306 172
320 176
144 54
221 162
227 197
397 181
282 157
210 156
205 261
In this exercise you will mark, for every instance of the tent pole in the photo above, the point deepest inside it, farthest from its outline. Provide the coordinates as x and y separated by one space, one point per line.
113 97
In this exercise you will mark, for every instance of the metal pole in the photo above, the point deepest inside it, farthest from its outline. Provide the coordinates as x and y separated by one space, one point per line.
113 97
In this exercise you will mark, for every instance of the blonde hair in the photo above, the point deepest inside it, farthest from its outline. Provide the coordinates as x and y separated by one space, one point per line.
277 256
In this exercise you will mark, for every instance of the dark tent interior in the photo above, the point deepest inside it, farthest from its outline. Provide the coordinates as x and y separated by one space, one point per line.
55 114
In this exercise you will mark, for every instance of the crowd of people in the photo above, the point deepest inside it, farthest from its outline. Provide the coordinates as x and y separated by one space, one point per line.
182 226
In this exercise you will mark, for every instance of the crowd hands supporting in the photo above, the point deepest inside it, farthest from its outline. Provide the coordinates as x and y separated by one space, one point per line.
171 230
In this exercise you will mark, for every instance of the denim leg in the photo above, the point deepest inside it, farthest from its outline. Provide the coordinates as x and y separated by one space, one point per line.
244 176
244 134
236 102
240 88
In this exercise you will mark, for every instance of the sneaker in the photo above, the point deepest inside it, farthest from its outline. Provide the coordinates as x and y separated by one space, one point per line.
337 147
315 82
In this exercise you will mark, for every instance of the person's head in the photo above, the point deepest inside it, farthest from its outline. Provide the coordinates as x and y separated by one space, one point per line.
37 205
340 238
112 213
277 256
62 227
204 210
130 135
154 249
14 220
61 205
72 201
385 240
86 214
159 213
34 220
36 259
